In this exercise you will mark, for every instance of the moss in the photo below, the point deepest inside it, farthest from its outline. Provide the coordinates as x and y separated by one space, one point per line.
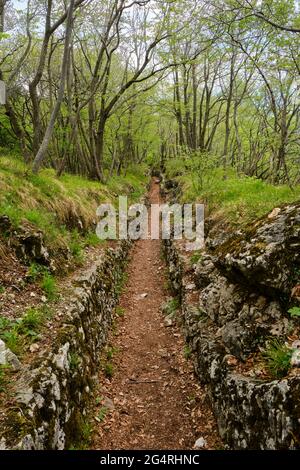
16 426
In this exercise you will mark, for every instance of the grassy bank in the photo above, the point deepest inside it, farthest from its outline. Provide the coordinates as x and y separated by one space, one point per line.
238 199
55 205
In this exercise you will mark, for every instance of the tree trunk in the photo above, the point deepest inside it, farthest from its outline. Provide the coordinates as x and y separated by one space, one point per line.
64 70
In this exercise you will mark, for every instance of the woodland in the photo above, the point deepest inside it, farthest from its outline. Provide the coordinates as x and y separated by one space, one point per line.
95 86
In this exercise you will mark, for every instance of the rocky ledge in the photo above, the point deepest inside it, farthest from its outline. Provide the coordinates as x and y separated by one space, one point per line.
235 301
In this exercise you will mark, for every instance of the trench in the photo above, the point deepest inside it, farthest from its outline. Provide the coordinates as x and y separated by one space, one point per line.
152 400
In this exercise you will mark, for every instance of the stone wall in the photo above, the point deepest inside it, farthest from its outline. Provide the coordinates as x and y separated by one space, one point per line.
224 322
53 394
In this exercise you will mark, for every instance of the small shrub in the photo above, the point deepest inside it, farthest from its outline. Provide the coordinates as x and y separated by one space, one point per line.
294 312
277 358
2 289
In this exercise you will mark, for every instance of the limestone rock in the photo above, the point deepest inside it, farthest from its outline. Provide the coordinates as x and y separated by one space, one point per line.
295 359
266 253
200 443
7 357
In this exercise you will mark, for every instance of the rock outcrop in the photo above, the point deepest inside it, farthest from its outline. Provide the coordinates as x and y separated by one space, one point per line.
244 287
267 253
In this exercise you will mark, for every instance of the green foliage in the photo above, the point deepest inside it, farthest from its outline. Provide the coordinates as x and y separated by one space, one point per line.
91 239
2 289
187 352
16 333
48 284
277 357
9 335
102 413
49 203
74 360
294 312
171 306
196 257
76 246
4 324
98 400
238 199
30 323
109 370
35 271
121 282
12 340
110 352
120 312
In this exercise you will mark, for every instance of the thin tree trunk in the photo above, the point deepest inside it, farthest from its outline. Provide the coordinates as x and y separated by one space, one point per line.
64 70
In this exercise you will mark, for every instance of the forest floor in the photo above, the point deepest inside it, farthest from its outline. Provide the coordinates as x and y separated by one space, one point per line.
152 399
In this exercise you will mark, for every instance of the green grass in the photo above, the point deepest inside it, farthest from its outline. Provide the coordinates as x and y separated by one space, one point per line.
16 334
76 246
91 239
110 352
294 312
30 323
3 378
85 435
74 361
102 413
12 340
171 307
277 357
35 271
109 370
53 205
48 284
187 352
120 311
238 199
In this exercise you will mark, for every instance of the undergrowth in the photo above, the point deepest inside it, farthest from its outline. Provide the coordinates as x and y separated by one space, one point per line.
56 205
277 358
17 334
239 198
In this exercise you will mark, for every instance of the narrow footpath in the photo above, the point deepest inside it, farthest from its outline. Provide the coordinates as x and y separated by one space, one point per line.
153 399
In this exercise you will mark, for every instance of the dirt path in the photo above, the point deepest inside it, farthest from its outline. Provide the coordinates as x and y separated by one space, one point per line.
154 399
